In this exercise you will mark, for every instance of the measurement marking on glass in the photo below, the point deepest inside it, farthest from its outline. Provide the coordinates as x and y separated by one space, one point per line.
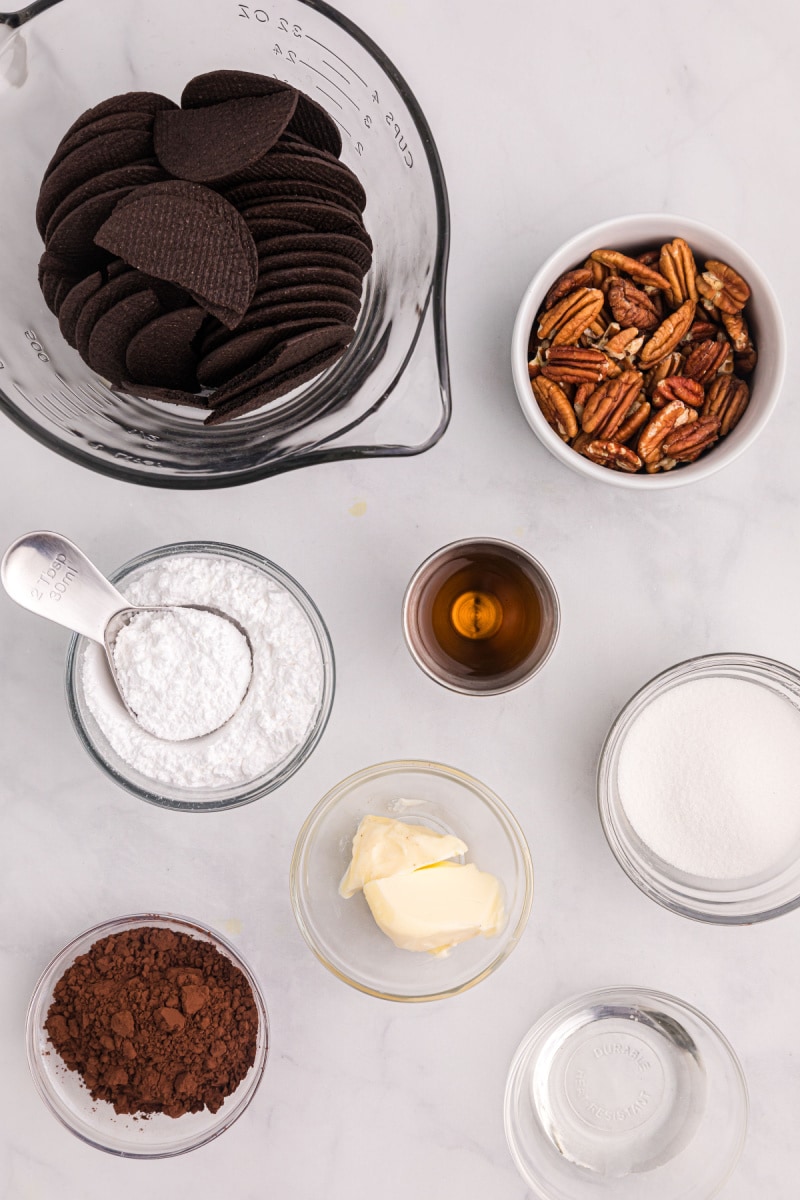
332 82
333 98
62 398
343 129
48 408
81 398
331 67
335 55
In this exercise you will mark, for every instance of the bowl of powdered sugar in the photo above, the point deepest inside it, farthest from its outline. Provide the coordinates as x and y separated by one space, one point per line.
698 788
284 712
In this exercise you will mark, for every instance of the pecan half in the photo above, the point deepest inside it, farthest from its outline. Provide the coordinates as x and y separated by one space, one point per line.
667 419
634 421
631 266
701 331
599 272
626 342
726 399
581 442
610 403
746 361
555 406
668 335
582 394
690 441
737 331
612 454
649 257
659 303
595 332
662 464
567 320
677 264
631 306
671 365
575 364
723 287
678 387
707 359
566 283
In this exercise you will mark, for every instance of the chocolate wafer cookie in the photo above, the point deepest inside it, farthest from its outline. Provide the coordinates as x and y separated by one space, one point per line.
100 301
73 303
261 190
217 265
112 332
218 142
163 353
220 245
102 153
147 102
113 123
128 176
310 120
272 379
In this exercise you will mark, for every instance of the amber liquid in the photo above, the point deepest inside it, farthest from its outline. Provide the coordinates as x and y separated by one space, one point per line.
480 615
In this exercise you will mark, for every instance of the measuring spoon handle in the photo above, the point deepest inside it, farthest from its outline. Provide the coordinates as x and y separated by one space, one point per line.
49 575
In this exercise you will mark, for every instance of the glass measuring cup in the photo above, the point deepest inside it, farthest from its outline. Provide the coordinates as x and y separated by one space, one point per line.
388 395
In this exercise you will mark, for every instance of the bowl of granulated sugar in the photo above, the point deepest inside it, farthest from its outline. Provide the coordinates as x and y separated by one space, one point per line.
698 788
281 718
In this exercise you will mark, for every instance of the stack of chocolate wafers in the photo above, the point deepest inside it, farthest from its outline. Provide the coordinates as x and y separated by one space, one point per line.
210 254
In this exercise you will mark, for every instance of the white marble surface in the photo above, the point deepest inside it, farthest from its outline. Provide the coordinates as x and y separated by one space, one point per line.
548 118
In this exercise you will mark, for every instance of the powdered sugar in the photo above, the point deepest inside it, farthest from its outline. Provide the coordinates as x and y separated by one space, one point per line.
183 671
285 692
709 777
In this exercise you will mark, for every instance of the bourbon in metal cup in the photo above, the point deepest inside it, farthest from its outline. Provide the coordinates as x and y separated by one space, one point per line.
481 617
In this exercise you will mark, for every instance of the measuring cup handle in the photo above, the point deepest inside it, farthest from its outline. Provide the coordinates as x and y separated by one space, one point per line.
47 574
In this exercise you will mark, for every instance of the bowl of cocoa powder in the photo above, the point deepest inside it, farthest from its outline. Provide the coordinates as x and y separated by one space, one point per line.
147 1036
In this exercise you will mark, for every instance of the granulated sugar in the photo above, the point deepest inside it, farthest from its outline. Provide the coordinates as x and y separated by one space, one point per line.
709 777
183 671
284 695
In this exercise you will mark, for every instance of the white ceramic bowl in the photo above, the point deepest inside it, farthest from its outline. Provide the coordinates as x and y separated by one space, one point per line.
633 234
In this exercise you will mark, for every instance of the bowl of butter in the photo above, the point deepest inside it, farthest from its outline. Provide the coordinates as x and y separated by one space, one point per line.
411 881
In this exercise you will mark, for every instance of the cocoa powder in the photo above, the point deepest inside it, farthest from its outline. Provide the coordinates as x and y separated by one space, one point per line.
155 1022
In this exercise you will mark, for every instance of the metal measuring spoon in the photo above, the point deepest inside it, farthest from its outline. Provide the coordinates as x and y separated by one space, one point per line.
49 575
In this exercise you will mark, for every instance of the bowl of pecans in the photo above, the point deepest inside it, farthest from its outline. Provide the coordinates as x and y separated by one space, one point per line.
648 351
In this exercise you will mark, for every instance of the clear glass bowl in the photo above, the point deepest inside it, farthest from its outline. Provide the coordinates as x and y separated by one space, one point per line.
627 1094
388 395
209 799
343 934
94 1121
722 901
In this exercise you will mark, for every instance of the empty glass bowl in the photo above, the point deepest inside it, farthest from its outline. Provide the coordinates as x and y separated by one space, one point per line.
343 934
95 1121
625 1093
388 395
722 901
211 798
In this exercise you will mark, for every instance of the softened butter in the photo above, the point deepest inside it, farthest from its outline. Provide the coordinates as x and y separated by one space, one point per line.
384 846
417 897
